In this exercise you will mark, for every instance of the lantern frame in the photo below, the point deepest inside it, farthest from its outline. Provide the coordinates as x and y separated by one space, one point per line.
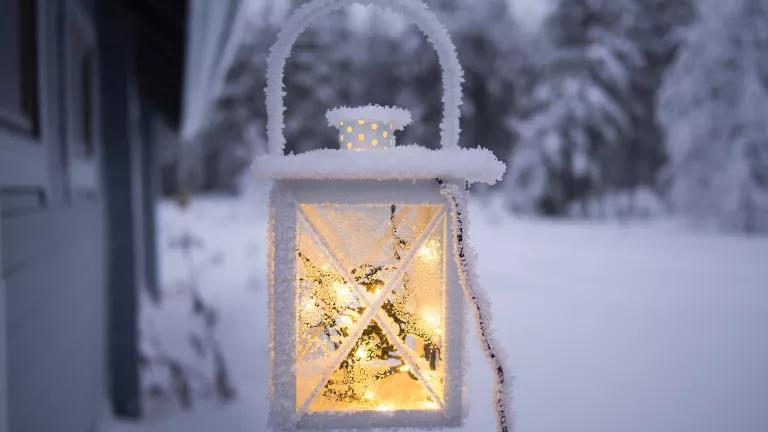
286 197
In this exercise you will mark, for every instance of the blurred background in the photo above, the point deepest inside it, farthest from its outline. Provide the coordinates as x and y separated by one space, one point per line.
625 252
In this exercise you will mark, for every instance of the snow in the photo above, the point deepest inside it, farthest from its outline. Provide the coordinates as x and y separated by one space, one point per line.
397 163
609 327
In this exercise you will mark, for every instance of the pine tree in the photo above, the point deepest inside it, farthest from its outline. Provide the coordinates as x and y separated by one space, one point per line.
581 109
714 109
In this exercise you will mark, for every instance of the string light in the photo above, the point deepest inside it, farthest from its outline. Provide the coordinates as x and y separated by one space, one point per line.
361 353
429 251
343 292
432 318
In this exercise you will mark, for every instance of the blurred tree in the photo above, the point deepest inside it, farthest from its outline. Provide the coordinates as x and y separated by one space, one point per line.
581 108
713 106
589 129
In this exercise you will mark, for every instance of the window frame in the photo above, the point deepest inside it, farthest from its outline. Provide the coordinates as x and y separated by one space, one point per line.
83 156
23 151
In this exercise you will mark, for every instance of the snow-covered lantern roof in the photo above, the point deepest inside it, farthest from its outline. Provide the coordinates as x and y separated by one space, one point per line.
367 258
369 127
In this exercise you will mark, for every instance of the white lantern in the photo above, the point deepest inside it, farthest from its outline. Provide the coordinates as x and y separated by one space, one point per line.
366 270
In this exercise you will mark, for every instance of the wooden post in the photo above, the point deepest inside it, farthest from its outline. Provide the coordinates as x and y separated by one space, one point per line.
3 356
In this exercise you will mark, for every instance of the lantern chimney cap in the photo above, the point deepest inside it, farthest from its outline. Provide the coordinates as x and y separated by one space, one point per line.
397 117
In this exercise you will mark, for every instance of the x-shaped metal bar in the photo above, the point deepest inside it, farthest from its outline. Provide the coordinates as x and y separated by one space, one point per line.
373 309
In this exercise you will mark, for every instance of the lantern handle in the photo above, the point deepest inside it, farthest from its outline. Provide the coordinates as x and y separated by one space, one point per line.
412 10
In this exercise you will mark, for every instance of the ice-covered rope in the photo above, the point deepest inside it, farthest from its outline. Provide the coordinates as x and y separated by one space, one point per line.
479 300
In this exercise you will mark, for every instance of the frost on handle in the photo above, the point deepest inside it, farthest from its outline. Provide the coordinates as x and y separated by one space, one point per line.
413 10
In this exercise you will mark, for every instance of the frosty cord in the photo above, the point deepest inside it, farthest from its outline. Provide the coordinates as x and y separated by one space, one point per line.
479 300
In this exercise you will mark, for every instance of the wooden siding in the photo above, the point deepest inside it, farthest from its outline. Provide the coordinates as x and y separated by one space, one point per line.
53 265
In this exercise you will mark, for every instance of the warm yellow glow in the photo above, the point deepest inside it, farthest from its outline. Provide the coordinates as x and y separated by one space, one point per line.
360 122
360 137
345 321
349 145
385 134
344 362
349 129
361 353
429 251
374 125
374 142
343 292
308 305
432 318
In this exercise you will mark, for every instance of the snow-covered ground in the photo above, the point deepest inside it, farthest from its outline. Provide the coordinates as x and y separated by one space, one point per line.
645 327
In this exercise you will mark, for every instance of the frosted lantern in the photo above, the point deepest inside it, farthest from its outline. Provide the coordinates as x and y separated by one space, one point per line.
366 253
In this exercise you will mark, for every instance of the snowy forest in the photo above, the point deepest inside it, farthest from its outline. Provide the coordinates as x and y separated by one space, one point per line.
601 108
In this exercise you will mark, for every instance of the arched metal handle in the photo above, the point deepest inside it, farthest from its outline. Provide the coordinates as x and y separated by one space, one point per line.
412 10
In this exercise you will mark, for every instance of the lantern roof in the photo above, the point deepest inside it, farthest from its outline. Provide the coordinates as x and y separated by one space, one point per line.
398 117
410 162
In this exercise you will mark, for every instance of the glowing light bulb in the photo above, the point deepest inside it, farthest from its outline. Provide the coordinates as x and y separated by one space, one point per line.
360 122
343 292
374 142
374 126
360 137
345 321
432 319
349 145
349 129
385 134
361 353
429 251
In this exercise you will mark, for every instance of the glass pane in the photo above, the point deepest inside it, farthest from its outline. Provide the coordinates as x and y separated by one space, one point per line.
417 313
373 376
369 242
326 308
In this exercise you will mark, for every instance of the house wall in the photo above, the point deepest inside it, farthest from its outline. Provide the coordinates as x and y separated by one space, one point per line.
53 262
76 217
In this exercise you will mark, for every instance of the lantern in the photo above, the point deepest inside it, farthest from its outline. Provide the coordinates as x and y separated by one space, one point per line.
366 261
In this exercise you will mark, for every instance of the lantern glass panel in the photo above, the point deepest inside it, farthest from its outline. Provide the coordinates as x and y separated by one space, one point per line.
370 306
